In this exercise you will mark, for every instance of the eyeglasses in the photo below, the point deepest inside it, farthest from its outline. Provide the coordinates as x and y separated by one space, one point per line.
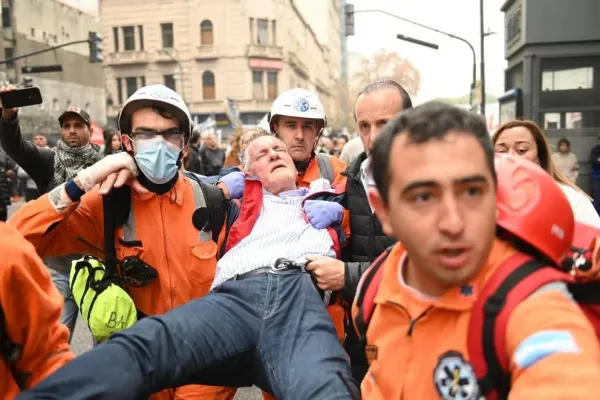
172 137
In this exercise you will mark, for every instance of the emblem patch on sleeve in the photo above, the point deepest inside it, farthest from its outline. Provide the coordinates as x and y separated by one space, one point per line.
455 378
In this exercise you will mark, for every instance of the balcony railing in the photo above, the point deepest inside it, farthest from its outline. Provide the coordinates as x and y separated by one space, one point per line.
260 51
127 57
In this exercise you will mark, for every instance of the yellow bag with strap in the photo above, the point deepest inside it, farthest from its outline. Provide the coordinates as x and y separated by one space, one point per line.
104 304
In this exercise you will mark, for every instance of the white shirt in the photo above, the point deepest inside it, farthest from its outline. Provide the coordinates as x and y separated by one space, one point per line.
583 209
366 177
279 232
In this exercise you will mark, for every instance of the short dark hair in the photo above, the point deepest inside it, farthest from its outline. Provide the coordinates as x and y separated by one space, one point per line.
430 121
388 84
565 141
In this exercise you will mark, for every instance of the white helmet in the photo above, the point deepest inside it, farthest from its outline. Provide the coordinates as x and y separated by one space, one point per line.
299 103
155 95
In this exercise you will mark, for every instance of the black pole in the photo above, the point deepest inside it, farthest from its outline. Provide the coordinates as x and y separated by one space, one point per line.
42 51
438 31
482 42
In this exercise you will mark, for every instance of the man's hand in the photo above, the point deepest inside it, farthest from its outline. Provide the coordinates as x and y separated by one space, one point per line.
8 114
118 179
323 214
119 164
233 185
329 272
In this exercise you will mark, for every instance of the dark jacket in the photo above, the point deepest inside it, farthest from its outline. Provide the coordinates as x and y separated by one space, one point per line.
212 160
368 240
194 162
6 164
38 163
594 161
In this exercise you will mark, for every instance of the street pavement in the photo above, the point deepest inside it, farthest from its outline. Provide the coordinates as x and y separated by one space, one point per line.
82 339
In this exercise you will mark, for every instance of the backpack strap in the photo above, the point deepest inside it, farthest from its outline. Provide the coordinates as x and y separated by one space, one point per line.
10 353
514 281
325 167
116 207
366 293
214 201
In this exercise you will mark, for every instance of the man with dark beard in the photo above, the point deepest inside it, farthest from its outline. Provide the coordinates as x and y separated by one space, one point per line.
50 168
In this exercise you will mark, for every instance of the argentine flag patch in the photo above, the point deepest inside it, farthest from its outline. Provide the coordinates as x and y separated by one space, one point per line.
543 344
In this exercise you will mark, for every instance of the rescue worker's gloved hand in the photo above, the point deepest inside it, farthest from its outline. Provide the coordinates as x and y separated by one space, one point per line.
234 182
323 214
95 174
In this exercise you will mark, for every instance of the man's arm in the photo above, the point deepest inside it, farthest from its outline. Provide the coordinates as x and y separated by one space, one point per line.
38 163
553 348
53 222
32 307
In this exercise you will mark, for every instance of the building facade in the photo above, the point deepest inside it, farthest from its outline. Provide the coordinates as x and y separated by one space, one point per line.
211 51
553 75
33 25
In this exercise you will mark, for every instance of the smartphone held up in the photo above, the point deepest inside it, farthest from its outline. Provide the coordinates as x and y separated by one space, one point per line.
20 98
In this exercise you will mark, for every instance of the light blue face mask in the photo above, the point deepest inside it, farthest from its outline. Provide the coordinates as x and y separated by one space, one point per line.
157 160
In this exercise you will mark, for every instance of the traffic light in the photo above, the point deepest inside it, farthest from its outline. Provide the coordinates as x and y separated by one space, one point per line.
349 13
95 42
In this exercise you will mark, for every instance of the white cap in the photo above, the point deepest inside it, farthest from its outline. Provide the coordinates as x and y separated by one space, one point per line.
155 95
299 103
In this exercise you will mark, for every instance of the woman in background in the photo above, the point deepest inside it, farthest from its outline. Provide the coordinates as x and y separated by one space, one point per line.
526 139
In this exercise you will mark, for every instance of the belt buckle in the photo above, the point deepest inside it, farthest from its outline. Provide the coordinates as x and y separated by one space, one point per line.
281 264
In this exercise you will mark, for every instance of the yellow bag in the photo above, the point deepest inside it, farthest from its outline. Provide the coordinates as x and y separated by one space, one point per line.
103 304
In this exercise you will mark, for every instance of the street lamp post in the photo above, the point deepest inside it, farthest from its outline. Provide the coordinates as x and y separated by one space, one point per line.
438 31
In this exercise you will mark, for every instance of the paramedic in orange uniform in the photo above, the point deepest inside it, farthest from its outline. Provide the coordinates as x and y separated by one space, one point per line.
30 308
156 125
436 194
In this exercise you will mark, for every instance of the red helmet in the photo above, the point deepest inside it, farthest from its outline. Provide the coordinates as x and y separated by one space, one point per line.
532 207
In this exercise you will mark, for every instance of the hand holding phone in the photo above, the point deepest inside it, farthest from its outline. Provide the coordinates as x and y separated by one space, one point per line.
12 98
8 113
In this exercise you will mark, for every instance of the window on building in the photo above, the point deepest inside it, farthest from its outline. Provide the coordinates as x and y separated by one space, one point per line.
272 84
167 35
206 33
170 82
128 38
258 86
120 91
208 86
131 85
252 30
141 35
33 32
6 21
9 53
552 121
274 36
116 38
263 32
568 79
142 81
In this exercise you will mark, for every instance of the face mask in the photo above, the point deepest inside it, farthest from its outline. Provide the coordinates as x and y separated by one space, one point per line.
157 160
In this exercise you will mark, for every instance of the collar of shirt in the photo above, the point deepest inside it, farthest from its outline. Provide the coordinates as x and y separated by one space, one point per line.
366 173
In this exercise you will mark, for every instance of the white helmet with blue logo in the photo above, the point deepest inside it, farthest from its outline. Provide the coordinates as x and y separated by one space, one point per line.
299 103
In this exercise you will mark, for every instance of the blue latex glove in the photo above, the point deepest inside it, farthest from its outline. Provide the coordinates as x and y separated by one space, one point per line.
323 214
235 182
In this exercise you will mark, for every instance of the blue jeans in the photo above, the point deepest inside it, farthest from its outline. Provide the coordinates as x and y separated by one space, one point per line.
271 330
70 309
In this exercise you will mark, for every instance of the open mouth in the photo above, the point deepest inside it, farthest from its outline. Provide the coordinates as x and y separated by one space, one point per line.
453 257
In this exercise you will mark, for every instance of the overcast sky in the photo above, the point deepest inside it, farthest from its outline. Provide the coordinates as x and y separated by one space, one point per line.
445 72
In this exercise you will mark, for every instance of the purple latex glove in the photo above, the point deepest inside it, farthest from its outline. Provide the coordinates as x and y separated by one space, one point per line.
235 182
323 214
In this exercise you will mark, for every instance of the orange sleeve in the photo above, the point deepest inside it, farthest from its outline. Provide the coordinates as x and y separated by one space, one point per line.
32 307
54 233
553 349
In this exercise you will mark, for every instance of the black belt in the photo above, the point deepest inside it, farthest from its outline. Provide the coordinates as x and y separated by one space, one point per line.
282 265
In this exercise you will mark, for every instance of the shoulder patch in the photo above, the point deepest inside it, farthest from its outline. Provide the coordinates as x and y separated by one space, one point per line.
454 378
543 344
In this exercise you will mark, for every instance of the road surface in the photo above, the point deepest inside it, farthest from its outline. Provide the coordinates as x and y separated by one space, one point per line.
82 340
